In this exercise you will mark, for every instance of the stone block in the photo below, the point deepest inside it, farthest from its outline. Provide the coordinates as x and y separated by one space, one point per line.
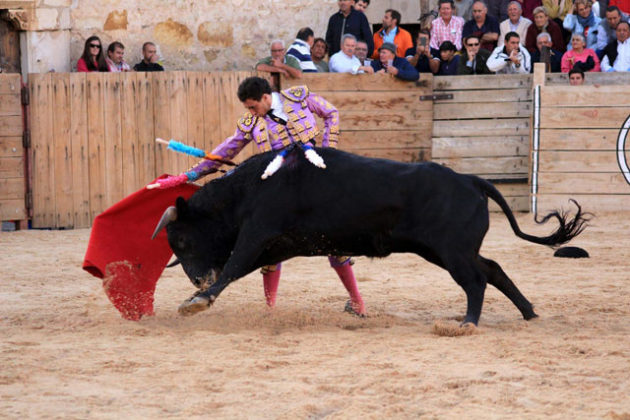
46 19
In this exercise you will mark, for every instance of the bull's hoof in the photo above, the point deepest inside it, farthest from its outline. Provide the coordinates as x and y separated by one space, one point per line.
195 304
355 309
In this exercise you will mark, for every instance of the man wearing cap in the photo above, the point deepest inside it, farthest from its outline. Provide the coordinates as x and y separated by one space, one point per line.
387 62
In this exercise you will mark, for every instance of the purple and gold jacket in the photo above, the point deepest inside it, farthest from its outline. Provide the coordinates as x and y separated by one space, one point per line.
299 105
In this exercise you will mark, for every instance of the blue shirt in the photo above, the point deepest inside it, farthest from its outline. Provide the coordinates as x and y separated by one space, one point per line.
405 70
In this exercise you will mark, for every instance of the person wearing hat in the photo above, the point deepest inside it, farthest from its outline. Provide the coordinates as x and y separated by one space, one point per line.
387 62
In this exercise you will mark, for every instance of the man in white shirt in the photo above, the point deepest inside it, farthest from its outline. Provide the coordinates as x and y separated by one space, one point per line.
511 58
514 23
345 61
617 53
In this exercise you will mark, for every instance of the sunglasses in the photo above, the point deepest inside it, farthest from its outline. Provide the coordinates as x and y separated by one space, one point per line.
472 45
95 46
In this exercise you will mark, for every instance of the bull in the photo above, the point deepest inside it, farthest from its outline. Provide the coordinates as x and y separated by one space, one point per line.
357 206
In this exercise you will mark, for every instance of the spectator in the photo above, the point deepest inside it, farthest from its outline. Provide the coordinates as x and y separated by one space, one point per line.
542 23
348 21
482 25
608 27
345 61
361 52
463 9
149 59
391 32
279 62
583 21
115 54
623 5
301 50
422 57
617 53
446 27
545 53
579 56
498 9
361 5
576 77
514 23
512 58
448 60
388 63
92 58
318 53
473 58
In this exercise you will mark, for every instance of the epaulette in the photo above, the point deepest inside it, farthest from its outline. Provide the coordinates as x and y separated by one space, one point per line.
296 93
246 123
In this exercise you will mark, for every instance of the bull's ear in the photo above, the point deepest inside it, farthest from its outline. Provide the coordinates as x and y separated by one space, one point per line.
182 206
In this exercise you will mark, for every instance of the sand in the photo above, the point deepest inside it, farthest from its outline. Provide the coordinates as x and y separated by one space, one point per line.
66 353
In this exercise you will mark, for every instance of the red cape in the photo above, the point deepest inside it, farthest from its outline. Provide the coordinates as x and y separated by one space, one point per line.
122 253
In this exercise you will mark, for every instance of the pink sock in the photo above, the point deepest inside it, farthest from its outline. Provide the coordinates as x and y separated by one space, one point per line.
346 275
271 280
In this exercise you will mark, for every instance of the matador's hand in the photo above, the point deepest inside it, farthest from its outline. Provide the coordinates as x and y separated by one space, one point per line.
168 182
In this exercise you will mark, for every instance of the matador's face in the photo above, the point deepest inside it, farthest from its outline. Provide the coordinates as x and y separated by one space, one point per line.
258 108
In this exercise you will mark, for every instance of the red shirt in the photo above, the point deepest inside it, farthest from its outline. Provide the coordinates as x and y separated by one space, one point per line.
623 5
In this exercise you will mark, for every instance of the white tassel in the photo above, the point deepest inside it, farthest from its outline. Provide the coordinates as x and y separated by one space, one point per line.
314 158
273 167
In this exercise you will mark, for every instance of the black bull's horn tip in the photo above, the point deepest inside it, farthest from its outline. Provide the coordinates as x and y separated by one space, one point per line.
170 215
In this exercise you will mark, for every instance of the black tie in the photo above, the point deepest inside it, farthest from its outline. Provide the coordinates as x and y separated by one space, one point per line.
275 118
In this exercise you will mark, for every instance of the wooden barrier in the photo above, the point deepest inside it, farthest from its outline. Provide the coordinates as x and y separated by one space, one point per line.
12 161
94 135
481 126
380 116
582 147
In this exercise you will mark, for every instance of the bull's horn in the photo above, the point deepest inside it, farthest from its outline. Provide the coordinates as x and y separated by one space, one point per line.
170 215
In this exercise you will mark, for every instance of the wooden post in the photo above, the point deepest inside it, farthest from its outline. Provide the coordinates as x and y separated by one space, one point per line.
539 75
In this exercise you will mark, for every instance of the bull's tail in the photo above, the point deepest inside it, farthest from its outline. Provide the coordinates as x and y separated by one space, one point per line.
569 227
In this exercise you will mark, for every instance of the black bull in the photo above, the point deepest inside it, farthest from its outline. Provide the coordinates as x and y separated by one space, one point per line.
356 206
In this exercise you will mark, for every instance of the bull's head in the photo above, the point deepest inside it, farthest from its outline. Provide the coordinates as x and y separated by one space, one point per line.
186 239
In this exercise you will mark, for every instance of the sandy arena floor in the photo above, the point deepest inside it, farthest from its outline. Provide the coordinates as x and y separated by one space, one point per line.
66 353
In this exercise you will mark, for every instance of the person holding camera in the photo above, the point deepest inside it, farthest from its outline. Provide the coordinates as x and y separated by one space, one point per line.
512 58
422 57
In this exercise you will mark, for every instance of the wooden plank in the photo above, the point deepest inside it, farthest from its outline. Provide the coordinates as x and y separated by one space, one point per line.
513 189
585 96
385 120
12 189
12 167
414 154
42 158
595 203
487 95
583 183
144 102
495 81
317 82
513 165
10 84
131 178
164 159
589 139
456 112
377 101
11 147
517 204
591 78
452 147
80 150
95 88
62 188
482 128
10 105
587 117
212 111
578 161
12 210
11 125
179 120
195 114
384 139
113 139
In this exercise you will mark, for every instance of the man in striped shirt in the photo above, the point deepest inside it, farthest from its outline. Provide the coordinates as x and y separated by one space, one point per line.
446 27
301 50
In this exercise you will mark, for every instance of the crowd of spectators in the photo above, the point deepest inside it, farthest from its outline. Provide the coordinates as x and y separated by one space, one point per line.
464 37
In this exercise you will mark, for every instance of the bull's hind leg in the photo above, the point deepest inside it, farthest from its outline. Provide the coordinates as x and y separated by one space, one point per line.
497 277
470 277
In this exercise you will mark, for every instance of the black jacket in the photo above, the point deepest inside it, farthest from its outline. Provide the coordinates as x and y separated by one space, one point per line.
480 63
356 24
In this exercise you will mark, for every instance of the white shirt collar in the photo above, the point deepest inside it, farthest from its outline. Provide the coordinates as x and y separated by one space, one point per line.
276 106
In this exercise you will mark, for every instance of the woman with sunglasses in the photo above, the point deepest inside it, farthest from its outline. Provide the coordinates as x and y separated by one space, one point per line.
92 58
